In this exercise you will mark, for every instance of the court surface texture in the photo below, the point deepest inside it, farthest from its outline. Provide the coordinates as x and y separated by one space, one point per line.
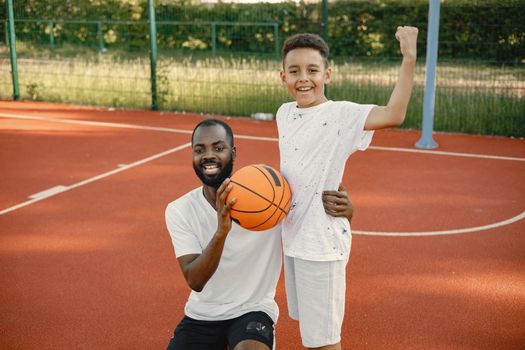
438 251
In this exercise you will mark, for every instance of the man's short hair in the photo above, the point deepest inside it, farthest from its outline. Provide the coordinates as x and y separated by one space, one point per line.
211 122
306 40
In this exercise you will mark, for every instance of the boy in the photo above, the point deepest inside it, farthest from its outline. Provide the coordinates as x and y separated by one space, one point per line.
316 136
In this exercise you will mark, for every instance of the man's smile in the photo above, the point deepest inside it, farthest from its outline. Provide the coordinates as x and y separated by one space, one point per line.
210 169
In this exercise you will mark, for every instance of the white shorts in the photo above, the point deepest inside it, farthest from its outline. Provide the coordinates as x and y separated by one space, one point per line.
315 292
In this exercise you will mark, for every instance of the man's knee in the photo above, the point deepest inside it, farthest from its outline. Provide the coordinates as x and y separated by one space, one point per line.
250 344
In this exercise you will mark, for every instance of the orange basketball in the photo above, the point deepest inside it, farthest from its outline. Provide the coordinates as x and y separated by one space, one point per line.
263 197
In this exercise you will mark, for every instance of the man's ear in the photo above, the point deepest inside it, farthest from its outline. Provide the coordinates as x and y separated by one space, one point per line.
234 153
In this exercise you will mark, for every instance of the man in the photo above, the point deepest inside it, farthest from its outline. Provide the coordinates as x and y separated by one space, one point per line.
233 272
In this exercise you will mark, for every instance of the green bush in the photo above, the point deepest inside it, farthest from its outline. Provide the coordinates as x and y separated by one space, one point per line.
486 30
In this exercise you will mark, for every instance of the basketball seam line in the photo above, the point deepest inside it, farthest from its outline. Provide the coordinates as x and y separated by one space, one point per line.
267 178
257 194
274 175
271 204
277 207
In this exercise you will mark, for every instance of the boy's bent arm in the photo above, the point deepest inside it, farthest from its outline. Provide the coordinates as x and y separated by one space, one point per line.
393 114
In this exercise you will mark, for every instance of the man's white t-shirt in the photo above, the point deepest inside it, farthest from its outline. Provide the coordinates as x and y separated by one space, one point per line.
314 144
248 271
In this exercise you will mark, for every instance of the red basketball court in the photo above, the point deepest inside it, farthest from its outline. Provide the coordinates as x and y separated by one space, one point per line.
437 258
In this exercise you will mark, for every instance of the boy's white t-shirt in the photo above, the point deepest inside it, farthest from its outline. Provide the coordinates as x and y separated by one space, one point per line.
248 271
314 144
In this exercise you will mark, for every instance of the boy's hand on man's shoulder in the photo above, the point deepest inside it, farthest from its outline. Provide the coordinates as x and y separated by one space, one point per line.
407 37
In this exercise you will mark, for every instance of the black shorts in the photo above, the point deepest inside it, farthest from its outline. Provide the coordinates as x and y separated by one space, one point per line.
193 334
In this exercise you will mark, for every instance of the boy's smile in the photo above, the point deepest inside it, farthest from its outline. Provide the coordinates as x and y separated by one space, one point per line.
305 75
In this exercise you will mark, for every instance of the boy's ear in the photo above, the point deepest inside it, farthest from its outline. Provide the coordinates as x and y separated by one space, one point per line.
328 75
282 76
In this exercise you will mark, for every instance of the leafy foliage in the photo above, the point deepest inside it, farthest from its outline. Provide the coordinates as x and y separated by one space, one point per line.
488 30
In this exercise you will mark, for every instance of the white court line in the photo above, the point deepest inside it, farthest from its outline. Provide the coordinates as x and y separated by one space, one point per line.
445 232
442 153
92 123
44 195
123 167
49 192
248 137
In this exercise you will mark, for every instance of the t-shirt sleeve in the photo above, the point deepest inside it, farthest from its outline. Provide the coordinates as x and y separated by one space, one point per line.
362 138
282 112
183 237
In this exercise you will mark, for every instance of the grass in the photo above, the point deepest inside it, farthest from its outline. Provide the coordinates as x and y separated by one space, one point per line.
472 98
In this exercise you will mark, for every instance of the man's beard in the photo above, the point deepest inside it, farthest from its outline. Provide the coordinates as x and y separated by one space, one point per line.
218 179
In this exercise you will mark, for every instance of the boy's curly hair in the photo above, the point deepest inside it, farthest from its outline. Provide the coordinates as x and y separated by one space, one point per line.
306 40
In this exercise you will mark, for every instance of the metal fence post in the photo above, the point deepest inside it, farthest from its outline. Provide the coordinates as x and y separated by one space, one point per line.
213 39
52 35
6 31
153 54
426 140
100 37
324 27
277 40
12 49
324 24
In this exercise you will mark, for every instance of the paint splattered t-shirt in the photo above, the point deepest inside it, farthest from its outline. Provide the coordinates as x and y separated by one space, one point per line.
314 145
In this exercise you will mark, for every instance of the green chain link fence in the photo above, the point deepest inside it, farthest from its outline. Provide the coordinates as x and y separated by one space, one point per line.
224 58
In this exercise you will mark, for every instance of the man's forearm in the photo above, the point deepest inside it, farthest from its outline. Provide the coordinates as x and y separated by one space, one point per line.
201 269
